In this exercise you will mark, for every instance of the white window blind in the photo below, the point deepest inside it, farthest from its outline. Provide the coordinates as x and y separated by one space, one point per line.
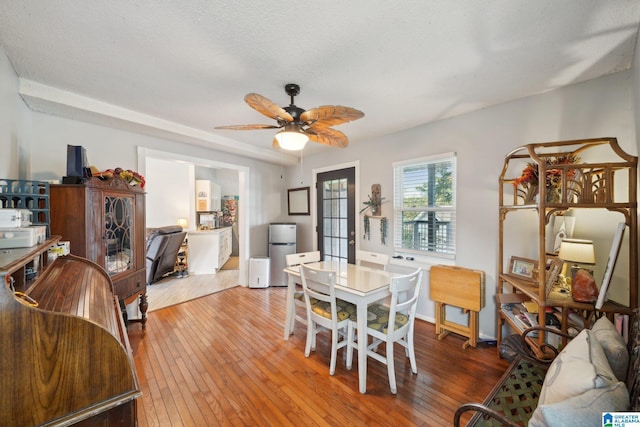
424 206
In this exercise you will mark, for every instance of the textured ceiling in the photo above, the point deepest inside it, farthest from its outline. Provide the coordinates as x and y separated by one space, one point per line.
179 68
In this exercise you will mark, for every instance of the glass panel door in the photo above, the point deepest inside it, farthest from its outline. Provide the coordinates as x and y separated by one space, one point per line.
118 220
336 215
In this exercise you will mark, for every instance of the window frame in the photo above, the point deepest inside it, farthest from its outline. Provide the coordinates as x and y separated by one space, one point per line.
398 209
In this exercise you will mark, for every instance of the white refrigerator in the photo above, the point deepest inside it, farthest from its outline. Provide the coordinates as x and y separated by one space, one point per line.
282 242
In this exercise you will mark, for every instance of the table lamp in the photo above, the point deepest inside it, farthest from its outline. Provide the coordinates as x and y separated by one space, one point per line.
182 222
577 251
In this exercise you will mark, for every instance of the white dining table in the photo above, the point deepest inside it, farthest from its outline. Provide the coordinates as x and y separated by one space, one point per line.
356 284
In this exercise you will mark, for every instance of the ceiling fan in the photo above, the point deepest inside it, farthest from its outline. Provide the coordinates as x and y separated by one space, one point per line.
298 125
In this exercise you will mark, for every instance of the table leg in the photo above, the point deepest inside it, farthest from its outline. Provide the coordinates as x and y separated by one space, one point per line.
290 308
363 339
474 323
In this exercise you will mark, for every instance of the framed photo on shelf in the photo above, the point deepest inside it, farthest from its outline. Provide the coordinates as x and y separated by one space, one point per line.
522 268
553 270
611 263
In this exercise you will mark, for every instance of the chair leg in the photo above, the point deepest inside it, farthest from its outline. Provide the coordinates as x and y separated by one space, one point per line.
391 368
334 352
412 352
350 345
311 333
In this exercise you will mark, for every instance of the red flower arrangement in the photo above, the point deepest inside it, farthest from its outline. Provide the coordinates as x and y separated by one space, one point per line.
530 174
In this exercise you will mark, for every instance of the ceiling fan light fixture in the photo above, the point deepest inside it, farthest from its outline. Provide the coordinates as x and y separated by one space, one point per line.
291 138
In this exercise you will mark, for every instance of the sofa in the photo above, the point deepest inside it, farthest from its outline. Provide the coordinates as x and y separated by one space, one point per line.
163 245
594 376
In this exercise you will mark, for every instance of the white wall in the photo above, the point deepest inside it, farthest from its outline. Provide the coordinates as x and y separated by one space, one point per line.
14 124
598 108
170 192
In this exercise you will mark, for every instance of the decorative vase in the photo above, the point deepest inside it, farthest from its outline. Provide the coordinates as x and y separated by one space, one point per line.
530 193
554 194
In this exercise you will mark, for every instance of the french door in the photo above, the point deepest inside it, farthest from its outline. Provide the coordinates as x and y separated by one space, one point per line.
336 214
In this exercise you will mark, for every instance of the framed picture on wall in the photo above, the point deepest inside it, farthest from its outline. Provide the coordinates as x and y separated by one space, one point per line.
298 201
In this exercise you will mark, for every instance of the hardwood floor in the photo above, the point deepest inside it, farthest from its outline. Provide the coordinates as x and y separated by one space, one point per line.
222 360
174 289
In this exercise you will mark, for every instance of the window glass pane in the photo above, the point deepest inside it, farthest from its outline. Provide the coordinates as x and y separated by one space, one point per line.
424 206
327 244
327 208
343 208
335 188
343 228
326 227
343 188
344 248
335 224
335 246
335 208
327 190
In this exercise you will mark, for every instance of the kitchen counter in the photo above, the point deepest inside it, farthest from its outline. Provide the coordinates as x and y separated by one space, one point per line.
208 249
212 230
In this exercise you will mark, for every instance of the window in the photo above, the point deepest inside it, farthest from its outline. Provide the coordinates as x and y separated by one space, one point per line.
424 206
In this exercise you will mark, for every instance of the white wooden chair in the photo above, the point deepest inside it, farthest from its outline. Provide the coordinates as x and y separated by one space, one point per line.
298 296
372 259
402 309
327 313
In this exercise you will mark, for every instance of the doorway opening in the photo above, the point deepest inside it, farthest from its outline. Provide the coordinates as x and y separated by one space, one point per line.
144 154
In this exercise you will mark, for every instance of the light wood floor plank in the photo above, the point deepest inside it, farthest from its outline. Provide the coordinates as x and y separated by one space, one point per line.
220 360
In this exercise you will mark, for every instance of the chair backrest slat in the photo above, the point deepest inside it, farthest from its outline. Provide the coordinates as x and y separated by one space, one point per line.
318 283
302 258
372 259
404 296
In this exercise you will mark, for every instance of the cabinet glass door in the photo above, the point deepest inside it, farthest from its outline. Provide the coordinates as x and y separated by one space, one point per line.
118 218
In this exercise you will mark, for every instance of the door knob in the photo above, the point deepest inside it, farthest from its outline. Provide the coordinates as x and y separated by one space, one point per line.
352 242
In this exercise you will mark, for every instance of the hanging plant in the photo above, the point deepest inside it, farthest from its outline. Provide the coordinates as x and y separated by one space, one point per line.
367 228
373 204
383 230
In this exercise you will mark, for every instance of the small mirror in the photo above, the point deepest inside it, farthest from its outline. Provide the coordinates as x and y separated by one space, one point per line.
299 201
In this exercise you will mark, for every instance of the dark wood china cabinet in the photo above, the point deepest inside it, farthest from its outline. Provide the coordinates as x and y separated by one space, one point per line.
104 219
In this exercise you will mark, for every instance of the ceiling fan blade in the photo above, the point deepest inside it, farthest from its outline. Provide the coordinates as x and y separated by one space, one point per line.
330 115
327 136
267 107
248 127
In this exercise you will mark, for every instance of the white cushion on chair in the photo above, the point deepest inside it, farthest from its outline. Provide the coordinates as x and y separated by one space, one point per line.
582 410
580 366
613 345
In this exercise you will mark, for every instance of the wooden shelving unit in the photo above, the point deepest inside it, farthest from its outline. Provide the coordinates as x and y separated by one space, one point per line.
583 185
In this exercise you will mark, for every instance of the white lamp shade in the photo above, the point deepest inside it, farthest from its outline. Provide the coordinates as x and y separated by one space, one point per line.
290 138
577 251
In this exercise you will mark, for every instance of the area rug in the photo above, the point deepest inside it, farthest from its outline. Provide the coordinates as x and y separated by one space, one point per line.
175 290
